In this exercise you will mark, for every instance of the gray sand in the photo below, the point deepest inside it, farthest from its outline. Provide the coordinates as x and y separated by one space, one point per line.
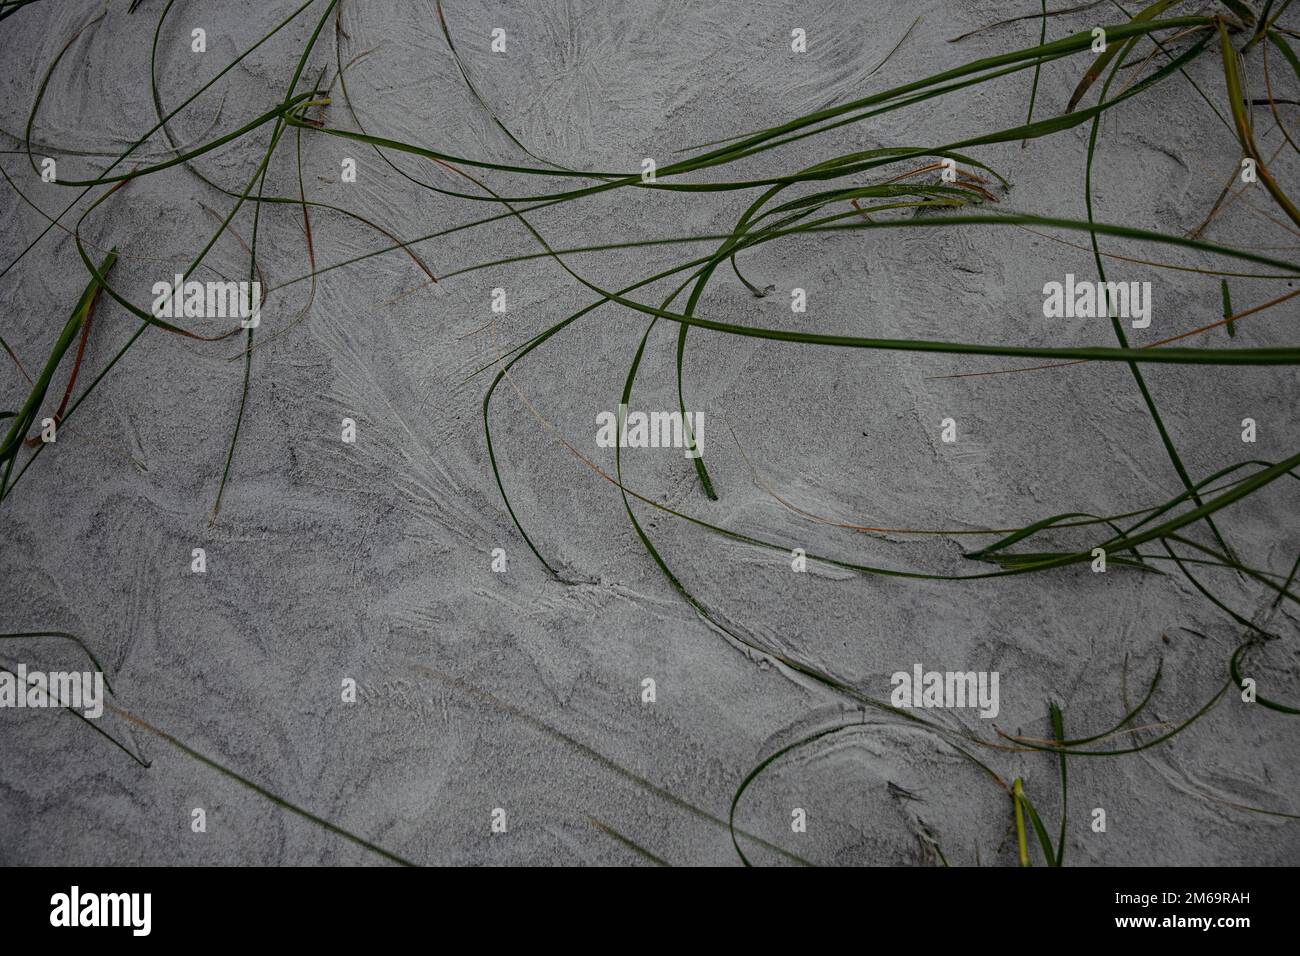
371 561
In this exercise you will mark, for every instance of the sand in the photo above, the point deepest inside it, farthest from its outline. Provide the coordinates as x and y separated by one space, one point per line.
372 561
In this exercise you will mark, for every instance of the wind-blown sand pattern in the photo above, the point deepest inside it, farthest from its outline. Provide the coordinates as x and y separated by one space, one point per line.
514 680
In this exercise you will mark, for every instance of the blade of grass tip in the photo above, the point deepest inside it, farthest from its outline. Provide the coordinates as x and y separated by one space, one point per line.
1122 751
23 635
1058 730
1020 534
1124 721
866 76
94 726
1044 841
896 47
938 850
1227 307
1038 69
1017 798
64 635
14 356
23 420
86 326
